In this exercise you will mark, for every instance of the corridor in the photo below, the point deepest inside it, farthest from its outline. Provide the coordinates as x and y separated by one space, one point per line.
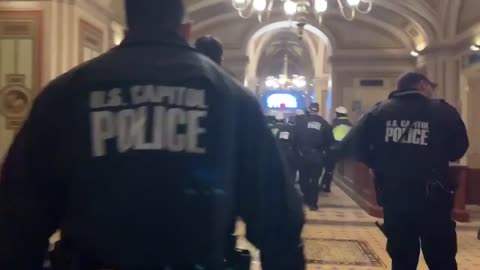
341 236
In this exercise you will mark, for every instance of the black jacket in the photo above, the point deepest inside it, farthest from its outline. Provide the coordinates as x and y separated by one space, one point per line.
313 132
284 133
343 120
143 157
437 137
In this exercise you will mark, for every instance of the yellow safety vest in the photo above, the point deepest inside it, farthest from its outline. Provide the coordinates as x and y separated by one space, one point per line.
340 132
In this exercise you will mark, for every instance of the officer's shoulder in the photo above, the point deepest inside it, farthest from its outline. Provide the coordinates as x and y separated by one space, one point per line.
376 109
64 81
380 105
224 80
443 106
59 88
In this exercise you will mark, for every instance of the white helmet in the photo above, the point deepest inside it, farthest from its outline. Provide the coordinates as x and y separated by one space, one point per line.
341 110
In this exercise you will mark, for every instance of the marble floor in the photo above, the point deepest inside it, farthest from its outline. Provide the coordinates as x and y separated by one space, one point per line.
341 236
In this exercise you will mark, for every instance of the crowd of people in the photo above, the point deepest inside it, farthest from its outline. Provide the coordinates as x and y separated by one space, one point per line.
308 145
145 157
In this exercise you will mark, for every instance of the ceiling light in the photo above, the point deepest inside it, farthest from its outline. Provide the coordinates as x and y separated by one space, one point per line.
271 82
353 3
299 82
321 6
283 79
260 5
300 10
290 8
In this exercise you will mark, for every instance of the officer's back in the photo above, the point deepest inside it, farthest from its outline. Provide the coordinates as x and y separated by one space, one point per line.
313 131
142 160
413 138
282 131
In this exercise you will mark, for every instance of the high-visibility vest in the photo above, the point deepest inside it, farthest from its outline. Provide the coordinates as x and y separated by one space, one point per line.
341 131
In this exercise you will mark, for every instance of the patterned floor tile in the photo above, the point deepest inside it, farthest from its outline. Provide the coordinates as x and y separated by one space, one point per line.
341 236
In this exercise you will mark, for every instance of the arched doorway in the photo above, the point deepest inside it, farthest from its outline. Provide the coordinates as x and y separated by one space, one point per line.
307 57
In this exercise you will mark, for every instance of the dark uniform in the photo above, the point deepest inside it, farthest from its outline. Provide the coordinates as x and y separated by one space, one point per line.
284 133
409 141
340 127
143 157
313 139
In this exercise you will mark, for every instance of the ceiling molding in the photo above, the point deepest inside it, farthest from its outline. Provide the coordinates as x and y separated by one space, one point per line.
451 15
396 32
418 13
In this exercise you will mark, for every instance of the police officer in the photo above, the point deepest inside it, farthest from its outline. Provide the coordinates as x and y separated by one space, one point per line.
341 126
211 47
314 137
409 141
284 133
142 157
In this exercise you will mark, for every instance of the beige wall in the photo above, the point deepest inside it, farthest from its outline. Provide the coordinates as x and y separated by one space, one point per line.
59 44
471 113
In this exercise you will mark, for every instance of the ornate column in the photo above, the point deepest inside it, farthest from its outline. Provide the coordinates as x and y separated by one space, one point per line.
473 111
443 67
320 86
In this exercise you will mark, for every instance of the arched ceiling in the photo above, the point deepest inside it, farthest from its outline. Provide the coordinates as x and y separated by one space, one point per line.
398 18
283 43
391 24
469 10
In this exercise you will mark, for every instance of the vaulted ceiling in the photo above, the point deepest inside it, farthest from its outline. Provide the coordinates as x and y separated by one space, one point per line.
397 26
391 24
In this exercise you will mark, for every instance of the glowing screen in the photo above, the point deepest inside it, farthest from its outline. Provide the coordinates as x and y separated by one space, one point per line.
282 100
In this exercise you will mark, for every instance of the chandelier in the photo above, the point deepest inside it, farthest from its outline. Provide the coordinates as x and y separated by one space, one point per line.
300 10
283 81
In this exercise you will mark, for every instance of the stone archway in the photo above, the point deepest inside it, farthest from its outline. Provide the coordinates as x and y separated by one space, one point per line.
314 40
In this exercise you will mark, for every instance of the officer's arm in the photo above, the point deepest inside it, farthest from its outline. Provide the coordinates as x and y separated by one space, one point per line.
266 198
357 142
330 137
30 196
458 139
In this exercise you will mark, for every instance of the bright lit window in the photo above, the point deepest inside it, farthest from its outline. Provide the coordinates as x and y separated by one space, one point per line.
277 100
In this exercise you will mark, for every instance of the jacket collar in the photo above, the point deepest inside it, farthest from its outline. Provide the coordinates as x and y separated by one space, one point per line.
159 37
405 93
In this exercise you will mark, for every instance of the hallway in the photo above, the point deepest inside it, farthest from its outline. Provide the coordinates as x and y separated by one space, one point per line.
341 236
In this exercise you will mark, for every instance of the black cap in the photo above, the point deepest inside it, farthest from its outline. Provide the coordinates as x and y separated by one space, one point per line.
314 107
409 80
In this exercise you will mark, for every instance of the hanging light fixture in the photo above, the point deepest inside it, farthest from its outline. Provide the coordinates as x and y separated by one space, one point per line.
301 10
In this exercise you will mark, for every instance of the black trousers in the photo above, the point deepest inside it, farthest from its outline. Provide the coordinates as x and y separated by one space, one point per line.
310 172
329 171
430 229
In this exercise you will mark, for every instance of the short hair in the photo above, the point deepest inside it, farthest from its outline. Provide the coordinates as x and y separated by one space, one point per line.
210 47
166 14
409 80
